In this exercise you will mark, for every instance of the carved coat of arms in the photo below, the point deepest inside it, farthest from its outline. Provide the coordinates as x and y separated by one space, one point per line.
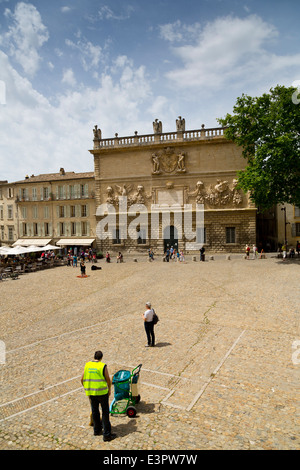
168 162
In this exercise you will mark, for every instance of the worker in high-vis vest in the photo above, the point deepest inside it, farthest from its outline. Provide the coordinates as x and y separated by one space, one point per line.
97 385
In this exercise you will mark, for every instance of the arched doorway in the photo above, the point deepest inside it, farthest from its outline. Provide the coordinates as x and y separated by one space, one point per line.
170 238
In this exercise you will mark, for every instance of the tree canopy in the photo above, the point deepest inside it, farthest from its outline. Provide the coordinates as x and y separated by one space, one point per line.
268 129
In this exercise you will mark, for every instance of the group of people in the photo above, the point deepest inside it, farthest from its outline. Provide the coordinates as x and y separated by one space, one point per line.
254 251
282 249
174 255
119 257
87 255
291 253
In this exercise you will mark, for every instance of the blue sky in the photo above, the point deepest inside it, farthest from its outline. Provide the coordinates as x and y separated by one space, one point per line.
67 65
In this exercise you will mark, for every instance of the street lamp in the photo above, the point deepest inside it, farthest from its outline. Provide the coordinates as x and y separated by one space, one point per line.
285 224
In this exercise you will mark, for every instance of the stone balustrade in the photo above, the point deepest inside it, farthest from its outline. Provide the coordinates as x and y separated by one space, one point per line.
166 137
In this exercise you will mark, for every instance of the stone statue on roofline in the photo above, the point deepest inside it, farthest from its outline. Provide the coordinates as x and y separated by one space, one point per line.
180 124
97 133
157 127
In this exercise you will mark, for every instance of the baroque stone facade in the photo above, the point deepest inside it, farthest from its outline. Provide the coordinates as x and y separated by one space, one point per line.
177 170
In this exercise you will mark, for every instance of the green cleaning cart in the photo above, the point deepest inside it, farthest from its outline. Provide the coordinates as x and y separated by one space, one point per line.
126 392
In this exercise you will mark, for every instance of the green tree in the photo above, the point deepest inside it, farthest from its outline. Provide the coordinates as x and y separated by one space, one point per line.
268 129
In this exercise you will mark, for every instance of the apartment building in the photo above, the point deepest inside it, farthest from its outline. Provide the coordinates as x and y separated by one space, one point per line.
56 208
8 214
288 220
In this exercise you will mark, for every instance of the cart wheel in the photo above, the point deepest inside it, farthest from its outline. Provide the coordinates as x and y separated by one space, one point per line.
131 412
137 399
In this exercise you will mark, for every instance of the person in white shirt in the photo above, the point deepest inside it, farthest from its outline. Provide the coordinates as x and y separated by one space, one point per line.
149 325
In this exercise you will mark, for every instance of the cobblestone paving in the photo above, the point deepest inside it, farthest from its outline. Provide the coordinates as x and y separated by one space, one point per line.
220 377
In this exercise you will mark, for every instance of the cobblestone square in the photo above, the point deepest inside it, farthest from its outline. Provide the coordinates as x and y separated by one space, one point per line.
223 375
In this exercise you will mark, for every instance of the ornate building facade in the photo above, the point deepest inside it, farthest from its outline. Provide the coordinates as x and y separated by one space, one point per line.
149 189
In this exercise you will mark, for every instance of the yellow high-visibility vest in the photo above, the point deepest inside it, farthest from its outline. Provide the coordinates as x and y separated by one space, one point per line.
94 381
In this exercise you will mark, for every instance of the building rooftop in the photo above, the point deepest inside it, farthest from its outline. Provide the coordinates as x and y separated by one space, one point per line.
61 176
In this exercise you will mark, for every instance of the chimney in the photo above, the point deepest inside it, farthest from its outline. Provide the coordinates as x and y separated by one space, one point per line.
62 171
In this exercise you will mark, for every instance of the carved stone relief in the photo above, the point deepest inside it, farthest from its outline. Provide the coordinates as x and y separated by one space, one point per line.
168 162
217 195
138 197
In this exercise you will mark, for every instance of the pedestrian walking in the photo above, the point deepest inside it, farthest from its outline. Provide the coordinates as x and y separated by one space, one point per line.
149 325
283 251
97 385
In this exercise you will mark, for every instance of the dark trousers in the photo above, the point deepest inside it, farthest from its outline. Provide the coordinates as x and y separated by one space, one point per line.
149 328
96 401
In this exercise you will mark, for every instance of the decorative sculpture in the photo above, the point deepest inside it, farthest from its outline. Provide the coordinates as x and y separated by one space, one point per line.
156 164
180 124
97 133
181 163
218 195
157 127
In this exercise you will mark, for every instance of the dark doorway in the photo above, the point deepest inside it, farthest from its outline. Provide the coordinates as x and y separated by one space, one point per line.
170 238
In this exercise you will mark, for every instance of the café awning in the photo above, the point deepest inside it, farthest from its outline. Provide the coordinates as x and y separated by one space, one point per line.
75 241
32 242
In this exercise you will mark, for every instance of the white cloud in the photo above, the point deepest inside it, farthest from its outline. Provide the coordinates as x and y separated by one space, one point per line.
90 54
69 78
229 50
65 9
25 36
177 31
106 13
39 137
